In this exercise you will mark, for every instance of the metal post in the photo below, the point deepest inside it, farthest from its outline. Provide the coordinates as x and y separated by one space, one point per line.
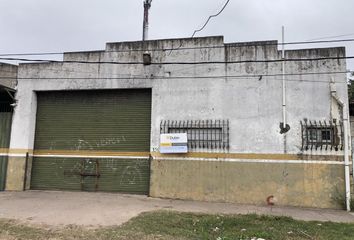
345 116
346 157
284 124
147 5
25 176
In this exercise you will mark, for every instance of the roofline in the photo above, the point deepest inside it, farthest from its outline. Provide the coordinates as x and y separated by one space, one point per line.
169 39
8 64
7 88
88 52
315 48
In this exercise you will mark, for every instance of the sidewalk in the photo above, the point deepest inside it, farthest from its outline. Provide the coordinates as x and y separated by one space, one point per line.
106 209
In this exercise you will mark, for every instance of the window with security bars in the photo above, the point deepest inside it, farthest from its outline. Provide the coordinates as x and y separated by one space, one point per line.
321 135
208 134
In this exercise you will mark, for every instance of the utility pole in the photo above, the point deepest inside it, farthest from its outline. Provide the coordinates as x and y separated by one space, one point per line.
147 5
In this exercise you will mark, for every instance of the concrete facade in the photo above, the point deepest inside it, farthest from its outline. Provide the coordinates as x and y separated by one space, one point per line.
221 81
8 74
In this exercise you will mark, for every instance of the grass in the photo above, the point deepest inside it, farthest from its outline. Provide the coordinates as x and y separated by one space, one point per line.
174 225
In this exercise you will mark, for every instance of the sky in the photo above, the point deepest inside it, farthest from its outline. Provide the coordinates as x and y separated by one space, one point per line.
83 25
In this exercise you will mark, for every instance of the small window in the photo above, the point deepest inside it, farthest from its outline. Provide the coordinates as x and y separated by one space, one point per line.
327 134
321 135
207 134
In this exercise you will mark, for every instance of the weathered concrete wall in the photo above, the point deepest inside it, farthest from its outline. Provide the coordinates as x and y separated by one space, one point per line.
248 94
249 182
8 74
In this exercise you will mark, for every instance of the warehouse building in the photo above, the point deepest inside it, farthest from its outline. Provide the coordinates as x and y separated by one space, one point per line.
185 119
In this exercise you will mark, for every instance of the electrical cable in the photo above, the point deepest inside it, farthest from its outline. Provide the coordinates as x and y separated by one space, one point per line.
343 35
210 17
215 15
181 63
137 77
238 44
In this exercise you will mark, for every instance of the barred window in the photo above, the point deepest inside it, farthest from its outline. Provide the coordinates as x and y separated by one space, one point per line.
321 135
208 134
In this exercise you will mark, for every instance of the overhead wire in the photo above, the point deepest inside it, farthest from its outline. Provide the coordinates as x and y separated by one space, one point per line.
238 44
200 29
241 76
210 17
329 37
182 63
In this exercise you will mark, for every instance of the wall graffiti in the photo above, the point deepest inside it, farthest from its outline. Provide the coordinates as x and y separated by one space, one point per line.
131 175
87 172
82 144
109 141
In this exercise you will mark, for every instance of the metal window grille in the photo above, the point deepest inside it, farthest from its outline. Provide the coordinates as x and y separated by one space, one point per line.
322 135
208 134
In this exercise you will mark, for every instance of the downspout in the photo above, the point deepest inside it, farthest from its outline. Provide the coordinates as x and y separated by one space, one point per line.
283 78
284 127
346 142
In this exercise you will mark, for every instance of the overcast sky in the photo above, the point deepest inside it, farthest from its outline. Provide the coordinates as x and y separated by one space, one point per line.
73 25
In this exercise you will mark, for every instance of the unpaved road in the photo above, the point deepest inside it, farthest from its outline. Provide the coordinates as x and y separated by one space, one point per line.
107 209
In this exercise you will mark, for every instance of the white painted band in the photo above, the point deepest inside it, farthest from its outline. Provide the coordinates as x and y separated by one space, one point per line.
252 160
73 156
12 155
184 159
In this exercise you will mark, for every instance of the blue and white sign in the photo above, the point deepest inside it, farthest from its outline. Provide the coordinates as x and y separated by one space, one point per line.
173 143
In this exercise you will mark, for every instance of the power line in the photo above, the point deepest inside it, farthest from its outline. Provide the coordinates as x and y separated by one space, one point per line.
182 63
239 44
131 76
164 78
32 54
137 77
337 36
210 17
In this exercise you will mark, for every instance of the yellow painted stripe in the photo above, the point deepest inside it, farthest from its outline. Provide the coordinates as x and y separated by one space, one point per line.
15 151
6 151
71 152
90 153
166 144
228 155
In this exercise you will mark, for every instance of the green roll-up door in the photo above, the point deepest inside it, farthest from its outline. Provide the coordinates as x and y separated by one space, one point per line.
93 141
5 130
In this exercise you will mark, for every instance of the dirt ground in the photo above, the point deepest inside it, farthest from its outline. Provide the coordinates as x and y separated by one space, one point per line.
108 209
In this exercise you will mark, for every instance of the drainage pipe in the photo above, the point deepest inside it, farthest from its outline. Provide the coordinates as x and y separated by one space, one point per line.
283 77
346 143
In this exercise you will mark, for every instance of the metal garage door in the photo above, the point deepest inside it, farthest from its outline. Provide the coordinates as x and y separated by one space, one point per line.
5 129
93 141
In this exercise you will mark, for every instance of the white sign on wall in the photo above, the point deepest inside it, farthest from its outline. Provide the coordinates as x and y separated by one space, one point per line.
173 143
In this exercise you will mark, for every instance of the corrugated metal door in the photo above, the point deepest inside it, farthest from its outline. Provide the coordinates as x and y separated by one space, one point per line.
93 141
5 130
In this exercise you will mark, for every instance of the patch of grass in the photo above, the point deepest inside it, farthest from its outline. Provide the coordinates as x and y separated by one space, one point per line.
174 225
200 226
